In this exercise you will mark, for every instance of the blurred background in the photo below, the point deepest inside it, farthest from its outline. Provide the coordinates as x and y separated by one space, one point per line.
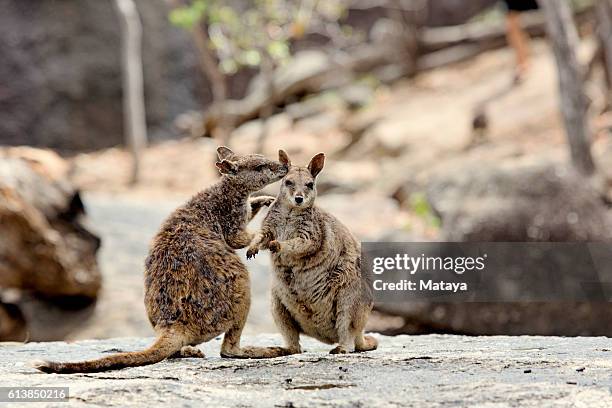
441 120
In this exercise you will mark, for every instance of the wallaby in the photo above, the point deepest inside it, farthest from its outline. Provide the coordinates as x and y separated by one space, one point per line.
196 286
318 286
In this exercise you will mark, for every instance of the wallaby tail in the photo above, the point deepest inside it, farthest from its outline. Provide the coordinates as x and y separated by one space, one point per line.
168 343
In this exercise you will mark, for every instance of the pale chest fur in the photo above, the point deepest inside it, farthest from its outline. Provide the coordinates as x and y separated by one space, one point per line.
286 226
307 285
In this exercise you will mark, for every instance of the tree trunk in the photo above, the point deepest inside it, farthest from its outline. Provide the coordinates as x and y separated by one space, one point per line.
267 109
604 31
564 40
133 93
216 78
209 65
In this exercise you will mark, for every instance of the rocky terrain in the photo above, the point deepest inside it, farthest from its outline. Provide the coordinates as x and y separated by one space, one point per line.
407 371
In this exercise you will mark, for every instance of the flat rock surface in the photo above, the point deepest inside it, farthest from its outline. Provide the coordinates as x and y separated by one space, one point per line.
413 371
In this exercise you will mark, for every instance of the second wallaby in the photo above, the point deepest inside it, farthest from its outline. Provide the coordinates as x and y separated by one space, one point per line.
318 285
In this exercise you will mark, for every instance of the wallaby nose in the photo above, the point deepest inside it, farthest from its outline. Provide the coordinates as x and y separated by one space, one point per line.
299 199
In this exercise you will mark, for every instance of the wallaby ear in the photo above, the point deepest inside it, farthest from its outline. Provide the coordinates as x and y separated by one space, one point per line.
224 152
227 167
316 164
284 158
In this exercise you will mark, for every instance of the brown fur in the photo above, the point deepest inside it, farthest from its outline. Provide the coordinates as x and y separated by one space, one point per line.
196 286
318 288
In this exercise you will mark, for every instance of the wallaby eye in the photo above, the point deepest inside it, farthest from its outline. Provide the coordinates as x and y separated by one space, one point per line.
310 185
260 167
288 183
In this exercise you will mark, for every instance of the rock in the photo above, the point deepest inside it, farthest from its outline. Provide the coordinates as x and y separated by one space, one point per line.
61 74
537 319
13 326
526 201
47 256
437 370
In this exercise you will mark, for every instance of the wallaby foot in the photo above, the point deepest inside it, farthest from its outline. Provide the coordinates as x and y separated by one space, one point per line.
230 348
339 350
366 343
256 352
189 352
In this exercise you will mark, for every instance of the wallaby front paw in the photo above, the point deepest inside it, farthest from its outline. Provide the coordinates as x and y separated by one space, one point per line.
251 252
338 350
267 201
274 246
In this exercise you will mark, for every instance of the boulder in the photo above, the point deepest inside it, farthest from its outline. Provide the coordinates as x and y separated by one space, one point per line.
47 255
486 319
61 73
525 201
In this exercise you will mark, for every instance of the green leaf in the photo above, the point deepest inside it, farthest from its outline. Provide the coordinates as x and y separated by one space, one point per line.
229 66
226 15
200 6
185 17
278 50
420 206
251 57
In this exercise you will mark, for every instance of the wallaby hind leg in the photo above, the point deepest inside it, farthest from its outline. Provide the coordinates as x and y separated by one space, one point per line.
363 343
345 326
286 324
231 340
